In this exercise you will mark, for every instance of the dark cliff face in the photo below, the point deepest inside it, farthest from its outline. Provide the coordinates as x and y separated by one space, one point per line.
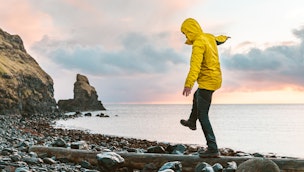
85 97
24 87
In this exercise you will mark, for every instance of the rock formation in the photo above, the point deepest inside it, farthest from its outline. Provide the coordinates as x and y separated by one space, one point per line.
85 97
24 87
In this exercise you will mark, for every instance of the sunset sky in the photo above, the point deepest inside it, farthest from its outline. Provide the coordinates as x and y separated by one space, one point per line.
132 51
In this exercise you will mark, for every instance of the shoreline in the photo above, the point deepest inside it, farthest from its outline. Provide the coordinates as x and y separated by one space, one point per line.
19 133
238 133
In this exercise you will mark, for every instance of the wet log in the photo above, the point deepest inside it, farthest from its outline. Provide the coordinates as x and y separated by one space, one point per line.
138 160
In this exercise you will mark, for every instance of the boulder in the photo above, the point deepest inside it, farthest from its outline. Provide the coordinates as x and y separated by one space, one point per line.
258 164
85 97
24 87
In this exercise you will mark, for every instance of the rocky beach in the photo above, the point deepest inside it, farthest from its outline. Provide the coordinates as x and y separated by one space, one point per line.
19 133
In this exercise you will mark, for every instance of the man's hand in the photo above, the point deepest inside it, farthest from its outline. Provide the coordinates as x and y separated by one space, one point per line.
187 91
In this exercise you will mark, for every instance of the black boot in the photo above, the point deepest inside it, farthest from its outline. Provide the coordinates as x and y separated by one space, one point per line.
187 123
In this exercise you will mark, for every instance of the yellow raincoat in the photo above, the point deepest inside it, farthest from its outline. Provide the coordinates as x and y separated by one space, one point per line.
204 64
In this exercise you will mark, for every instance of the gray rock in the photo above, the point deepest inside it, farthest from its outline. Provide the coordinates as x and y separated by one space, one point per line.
102 115
79 145
32 160
10 150
33 154
203 167
49 161
88 114
217 167
193 148
23 144
22 169
5 159
231 167
243 154
175 166
109 160
227 152
258 155
85 164
258 164
59 143
177 149
15 157
156 149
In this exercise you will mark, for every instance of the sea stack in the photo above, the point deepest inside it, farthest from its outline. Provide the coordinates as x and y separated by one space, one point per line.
85 97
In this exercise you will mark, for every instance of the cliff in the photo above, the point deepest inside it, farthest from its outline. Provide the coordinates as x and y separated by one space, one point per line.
85 97
24 87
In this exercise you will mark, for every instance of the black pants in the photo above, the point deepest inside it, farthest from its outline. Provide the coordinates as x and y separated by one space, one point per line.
200 109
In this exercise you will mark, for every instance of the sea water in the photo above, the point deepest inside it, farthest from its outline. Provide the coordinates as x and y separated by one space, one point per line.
277 129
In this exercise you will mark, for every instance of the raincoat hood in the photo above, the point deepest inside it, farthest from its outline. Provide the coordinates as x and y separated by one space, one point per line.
191 29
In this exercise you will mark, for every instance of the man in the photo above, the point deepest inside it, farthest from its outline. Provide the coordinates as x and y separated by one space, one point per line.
205 70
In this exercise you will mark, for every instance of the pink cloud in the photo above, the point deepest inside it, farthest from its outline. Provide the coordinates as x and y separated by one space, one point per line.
25 21
276 67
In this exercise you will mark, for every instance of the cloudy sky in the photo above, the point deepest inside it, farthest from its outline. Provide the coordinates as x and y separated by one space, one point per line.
132 51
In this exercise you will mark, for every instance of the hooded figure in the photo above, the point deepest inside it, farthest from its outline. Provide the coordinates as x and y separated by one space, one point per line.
206 71
204 64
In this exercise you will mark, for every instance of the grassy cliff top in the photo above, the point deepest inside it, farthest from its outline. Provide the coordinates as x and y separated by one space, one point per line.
15 61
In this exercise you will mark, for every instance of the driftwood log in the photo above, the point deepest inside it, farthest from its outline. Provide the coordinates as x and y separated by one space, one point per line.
138 160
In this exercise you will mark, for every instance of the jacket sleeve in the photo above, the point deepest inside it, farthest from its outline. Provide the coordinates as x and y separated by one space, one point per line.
197 56
221 39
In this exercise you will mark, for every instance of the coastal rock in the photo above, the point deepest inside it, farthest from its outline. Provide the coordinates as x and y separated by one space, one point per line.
258 164
176 149
32 160
217 167
79 145
24 87
85 164
49 161
88 114
175 166
22 169
85 97
109 161
156 149
102 115
59 143
227 152
259 155
203 166
231 166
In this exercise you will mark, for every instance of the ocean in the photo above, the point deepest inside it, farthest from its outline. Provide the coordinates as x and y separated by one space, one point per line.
275 128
